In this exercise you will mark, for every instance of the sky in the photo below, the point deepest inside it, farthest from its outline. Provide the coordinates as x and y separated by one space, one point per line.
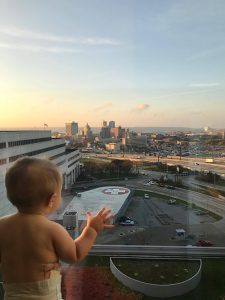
140 63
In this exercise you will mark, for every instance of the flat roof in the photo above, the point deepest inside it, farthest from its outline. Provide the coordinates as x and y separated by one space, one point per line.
111 197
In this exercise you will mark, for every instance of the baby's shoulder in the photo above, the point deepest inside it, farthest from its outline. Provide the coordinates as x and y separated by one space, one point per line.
5 224
48 225
5 219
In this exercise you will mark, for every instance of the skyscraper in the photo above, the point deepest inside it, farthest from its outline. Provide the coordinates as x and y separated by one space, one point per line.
71 129
112 124
87 131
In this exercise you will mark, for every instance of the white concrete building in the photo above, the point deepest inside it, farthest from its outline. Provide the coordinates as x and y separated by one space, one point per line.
135 141
111 197
38 143
113 147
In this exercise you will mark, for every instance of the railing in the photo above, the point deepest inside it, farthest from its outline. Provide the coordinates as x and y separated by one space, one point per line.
157 251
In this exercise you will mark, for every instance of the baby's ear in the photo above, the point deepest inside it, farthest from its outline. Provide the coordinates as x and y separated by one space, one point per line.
51 200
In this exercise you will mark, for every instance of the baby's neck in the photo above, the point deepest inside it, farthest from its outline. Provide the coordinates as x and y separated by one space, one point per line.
31 212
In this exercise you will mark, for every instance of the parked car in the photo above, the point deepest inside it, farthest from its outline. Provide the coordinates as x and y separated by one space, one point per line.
171 187
146 196
172 201
124 218
204 243
200 213
127 223
152 182
149 183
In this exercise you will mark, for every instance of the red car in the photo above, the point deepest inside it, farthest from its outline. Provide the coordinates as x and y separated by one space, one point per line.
204 243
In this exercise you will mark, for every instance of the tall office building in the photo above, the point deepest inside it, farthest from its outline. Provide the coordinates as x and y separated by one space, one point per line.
104 124
105 132
117 132
71 129
87 131
112 124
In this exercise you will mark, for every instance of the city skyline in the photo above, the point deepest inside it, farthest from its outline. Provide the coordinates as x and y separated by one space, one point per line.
142 64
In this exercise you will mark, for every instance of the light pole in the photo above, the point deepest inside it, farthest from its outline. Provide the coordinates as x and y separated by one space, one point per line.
180 150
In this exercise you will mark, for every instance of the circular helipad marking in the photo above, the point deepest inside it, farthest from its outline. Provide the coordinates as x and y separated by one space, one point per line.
115 191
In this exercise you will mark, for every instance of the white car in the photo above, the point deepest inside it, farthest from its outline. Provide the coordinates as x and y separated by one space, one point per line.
152 182
172 201
149 183
146 196
127 223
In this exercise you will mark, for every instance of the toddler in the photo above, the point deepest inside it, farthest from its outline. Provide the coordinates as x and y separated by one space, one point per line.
30 244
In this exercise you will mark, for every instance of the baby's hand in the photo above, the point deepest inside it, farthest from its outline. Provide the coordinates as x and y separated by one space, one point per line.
98 222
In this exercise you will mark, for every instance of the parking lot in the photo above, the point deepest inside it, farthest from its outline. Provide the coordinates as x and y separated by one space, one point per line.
150 213
156 222
150 229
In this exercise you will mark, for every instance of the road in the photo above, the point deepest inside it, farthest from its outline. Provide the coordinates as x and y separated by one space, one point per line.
213 204
197 164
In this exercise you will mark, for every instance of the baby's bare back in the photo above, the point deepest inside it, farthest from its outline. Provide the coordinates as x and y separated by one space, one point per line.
26 247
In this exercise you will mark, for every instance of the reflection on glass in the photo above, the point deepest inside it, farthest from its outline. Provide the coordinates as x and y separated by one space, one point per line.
127 99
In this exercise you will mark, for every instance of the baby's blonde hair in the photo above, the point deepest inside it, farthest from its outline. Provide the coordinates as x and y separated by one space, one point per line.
30 182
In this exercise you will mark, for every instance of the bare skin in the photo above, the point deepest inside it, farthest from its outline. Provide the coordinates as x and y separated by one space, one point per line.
31 244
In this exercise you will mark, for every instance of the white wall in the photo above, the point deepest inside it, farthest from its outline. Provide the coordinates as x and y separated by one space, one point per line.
9 136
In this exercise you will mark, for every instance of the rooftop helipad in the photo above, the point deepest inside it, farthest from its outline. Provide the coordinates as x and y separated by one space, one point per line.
111 197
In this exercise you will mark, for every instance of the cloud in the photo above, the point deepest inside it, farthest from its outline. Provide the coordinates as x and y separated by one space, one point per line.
140 108
103 107
37 48
45 36
203 85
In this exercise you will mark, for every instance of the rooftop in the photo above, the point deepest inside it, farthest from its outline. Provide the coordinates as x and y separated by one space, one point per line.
112 197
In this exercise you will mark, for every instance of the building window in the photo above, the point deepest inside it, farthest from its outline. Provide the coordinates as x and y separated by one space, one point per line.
32 153
57 155
61 163
71 158
73 163
26 142
2 145
3 161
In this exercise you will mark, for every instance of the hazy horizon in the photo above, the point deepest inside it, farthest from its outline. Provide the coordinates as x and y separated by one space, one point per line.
96 130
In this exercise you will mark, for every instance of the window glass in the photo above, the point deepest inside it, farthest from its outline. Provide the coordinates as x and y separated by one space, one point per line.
127 98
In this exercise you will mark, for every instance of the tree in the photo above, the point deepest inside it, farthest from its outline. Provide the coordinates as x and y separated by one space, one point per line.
118 166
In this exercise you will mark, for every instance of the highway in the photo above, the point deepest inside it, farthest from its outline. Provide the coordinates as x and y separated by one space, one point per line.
194 163
204 201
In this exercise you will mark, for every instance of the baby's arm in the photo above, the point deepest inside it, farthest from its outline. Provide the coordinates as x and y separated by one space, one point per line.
94 226
70 250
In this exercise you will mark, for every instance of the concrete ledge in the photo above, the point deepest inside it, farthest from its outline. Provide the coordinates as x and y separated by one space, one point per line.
158 290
